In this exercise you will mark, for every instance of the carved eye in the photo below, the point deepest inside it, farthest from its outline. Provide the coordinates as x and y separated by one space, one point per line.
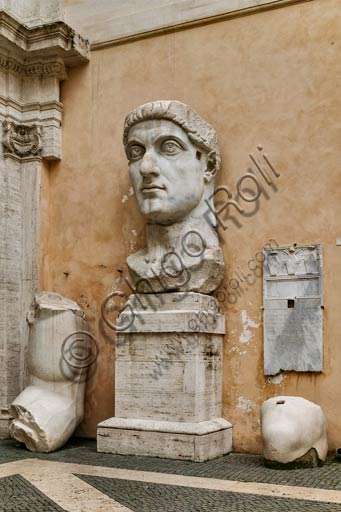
170 147
135 152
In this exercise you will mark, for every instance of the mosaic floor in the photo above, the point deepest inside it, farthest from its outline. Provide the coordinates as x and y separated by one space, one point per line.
78 479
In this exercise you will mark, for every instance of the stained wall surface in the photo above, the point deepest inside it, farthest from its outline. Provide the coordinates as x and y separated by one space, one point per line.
112 20
269 79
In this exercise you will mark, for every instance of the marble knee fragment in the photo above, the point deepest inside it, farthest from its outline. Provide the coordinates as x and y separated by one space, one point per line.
293 429
49 409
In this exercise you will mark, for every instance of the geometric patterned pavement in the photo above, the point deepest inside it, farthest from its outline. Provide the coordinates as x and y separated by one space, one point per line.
236 466
141 497
78 479
18 495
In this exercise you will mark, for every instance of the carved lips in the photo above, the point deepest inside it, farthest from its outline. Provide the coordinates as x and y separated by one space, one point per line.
152 187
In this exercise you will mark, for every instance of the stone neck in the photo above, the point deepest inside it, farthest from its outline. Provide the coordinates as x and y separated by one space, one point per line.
162 239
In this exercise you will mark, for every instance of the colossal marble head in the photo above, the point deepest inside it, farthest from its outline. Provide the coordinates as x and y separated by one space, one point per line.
173 159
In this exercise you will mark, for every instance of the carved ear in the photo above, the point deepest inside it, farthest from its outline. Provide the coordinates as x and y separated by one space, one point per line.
212 166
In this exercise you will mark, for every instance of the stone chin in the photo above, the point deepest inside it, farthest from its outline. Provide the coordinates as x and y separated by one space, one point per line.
155 212
162 216
166 212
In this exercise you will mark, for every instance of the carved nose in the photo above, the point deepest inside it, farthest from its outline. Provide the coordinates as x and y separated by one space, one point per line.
149 166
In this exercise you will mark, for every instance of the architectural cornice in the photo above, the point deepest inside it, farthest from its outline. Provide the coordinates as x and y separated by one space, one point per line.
49 40
31 107
136 27
32 129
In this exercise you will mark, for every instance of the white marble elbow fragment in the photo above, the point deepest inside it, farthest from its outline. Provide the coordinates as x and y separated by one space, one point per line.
47 412
293 429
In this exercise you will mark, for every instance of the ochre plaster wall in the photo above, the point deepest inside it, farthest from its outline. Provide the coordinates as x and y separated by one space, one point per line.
270 79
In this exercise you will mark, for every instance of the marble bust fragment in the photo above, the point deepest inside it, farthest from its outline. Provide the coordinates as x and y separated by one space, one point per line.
173 160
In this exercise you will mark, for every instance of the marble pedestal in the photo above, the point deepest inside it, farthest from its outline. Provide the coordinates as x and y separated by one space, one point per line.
168 392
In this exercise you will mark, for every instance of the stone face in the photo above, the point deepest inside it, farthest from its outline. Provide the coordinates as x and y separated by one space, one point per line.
173 159
47 412
168 380
293 320
291 428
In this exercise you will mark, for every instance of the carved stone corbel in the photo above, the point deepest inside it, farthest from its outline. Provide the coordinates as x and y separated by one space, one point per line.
36 60
21 141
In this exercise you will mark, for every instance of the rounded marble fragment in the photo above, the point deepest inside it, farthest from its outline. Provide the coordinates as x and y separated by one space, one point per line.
293 430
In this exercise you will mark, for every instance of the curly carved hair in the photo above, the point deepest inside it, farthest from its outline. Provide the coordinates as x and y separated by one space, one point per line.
198 131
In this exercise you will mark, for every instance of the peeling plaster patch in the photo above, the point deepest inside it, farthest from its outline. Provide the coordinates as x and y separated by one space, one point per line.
248 320
276 379
246 335
245 404
126 196
237 349
115 285
133 242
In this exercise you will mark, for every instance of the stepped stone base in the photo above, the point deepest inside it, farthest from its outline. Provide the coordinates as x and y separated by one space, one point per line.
197 441
168 380
5 422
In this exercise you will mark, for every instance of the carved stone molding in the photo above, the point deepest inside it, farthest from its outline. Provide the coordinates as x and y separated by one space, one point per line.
51 39
8 106
22 141
47 115
33 69
293 261
34 60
